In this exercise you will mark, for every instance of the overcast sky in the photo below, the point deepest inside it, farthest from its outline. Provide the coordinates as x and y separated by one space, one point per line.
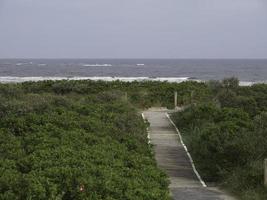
133 28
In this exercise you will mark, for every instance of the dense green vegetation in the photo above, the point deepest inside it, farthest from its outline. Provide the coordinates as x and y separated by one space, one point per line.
86 140
227 136
59 142
140 94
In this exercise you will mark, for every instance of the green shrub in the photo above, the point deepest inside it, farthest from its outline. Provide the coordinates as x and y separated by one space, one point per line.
53 146
228 138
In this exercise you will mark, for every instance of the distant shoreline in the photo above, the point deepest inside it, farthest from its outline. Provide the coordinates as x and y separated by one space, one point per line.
171 70
13 79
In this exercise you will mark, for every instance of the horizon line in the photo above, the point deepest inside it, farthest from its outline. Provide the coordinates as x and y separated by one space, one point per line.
84 58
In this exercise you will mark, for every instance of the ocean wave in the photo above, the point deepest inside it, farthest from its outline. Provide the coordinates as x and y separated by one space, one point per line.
25 63
96 65
42 64
249 83
13 79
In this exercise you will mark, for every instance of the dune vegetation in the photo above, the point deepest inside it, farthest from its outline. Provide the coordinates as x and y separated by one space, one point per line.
62 144
227 137
87 140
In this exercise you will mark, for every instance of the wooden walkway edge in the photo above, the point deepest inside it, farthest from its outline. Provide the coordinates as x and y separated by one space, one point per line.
173 158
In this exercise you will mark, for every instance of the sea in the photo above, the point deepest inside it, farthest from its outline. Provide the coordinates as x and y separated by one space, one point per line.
248 71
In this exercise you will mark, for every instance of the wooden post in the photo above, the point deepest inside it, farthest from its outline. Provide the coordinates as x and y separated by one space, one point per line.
126 96
265 172
175 99
191 96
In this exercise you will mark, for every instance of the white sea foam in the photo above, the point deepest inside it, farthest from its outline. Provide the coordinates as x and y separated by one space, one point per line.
20 64
42 64
140 64
13 79
247 83
97 65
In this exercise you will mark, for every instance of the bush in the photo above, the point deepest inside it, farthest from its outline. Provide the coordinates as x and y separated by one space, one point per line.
75 146
228 142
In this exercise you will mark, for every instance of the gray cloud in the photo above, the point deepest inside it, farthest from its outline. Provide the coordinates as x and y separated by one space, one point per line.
139 28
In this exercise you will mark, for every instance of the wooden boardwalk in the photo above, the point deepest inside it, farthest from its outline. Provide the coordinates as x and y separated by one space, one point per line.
172 157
